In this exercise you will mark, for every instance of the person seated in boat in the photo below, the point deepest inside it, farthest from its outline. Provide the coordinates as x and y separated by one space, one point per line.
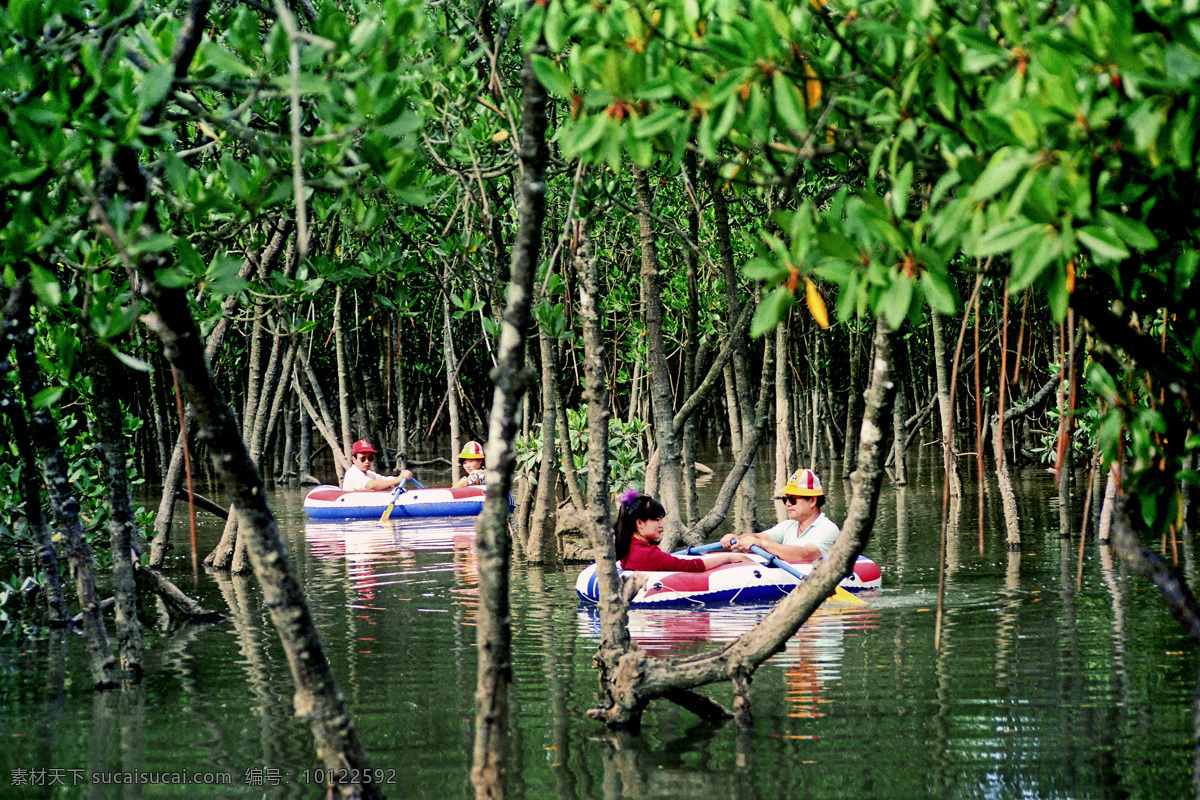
361 477
806 534
471 460
639 528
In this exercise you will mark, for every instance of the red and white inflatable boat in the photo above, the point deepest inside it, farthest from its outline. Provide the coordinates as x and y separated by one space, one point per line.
726 584
331 502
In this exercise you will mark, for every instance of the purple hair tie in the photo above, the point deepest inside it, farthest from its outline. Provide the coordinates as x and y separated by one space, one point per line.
628 496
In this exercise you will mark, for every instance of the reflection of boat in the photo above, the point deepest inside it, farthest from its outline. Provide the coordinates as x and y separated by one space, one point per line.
682 631
404 552
330 502
334 540
729 583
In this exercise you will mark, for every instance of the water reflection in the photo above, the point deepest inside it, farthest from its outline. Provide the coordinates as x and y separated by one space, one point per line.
810 660
1040 689
379 554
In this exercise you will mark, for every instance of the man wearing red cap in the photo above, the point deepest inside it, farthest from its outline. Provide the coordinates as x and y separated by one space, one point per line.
361 477
806 535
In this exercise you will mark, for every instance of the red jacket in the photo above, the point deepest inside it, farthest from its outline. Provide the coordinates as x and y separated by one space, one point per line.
648 558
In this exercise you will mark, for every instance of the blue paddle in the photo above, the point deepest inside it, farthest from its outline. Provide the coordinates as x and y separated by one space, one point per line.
776 561
416 483
698 549
387 512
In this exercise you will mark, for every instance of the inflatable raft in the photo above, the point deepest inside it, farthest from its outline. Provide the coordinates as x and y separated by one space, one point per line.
728 583
331 502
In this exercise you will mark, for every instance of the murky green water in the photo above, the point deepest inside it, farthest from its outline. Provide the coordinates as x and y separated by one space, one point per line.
1038 690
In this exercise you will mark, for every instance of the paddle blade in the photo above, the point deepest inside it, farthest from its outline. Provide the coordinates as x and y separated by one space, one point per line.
847 597
387 512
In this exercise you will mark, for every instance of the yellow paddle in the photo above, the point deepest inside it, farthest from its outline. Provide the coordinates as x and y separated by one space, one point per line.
387 512
838 592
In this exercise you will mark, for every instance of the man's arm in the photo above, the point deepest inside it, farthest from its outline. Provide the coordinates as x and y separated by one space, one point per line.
788 552
379 483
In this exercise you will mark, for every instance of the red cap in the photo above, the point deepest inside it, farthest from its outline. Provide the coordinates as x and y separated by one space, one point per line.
361 446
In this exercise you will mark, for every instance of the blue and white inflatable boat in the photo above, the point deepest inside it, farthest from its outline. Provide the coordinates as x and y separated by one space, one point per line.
729 583
331 502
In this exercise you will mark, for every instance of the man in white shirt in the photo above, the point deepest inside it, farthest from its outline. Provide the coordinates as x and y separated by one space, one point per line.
806 535
361 477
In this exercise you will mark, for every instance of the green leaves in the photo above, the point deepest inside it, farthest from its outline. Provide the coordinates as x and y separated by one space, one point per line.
1104 245
551 77
45 286
464 304
771 310
552 319
155 85
1001 171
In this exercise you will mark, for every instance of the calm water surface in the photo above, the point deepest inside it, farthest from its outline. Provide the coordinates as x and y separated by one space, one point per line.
1039 690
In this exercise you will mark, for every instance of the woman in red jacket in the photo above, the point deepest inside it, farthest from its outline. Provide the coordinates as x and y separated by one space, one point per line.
638 530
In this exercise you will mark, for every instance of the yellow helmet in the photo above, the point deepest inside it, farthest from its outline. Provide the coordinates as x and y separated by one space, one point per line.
471 450
803 483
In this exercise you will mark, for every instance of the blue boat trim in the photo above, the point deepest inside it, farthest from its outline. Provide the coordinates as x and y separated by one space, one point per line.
326 503
754 590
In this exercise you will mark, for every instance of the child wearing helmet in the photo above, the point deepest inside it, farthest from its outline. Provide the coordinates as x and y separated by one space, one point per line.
360 477
806 534
471 460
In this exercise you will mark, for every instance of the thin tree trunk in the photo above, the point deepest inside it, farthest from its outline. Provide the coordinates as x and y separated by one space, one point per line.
317 698
725 495
64 507
943 391
17 324
279 397
304 456
548 473
899 413
715 372
266 413
162 435
829 420
228 554
494 624
343 374
853 402
783 413
401 404
574 491
635 391
451 381
173 476
691 347
733 415
744 510
1008 497
122 525
319 414
595 384
660 377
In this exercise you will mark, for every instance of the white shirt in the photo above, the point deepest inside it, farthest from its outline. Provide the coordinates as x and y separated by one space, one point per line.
822 532
355 479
